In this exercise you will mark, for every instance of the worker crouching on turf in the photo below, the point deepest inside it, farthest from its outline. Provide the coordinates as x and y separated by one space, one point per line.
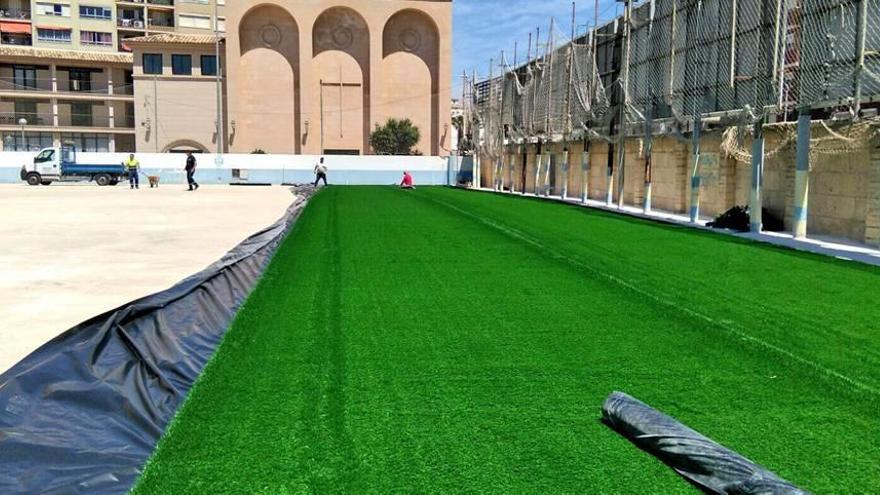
134 169
407 182
191 171
320 172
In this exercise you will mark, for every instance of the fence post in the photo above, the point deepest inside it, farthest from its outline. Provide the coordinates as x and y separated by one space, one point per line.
802 175
695 172
585 171
756 206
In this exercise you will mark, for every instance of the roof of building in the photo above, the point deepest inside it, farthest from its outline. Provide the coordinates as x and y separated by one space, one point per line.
174 39
72 55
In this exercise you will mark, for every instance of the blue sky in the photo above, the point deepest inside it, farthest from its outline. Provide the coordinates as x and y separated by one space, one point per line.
482 28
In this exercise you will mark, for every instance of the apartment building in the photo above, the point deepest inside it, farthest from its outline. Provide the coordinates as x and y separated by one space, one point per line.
66 70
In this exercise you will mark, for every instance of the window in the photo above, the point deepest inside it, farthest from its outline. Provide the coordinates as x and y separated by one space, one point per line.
209 65
152 63
95 12
55 35
195 21
26 110
24 77
81 114
95 38
181 65
31 141
45 156
53 9
99 143
80 80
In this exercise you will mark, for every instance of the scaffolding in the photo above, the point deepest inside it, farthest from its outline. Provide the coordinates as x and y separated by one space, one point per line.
805 69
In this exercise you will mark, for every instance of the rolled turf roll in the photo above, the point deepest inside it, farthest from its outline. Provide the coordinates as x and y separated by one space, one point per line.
697 458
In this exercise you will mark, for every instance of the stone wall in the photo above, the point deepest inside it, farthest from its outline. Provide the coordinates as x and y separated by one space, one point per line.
844 200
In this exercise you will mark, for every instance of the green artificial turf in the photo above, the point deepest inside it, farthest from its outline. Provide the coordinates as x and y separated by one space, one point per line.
442 340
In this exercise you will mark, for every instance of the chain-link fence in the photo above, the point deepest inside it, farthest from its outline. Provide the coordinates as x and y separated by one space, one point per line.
753 58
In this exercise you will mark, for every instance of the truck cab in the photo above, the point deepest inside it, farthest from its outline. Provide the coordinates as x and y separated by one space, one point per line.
60 164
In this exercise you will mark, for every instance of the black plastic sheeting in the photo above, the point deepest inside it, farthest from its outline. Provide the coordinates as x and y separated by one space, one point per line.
83 413
698 459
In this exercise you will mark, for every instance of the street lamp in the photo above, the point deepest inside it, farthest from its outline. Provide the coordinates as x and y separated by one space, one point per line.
23 122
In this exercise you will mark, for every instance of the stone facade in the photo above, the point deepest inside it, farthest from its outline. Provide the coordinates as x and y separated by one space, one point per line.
317 77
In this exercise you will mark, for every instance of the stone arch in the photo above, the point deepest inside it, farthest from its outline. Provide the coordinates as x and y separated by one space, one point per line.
270 27
185 143
344 29
415 32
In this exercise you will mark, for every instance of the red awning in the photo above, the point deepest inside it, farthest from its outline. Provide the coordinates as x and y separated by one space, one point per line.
15 28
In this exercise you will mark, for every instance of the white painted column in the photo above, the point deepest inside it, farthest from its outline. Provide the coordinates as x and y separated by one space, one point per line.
53 74
802 175
756 204
565 155
539 162
585 172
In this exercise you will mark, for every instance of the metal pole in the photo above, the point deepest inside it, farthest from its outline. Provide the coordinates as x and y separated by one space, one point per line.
756 206
802 174
860 55
695 172
321 106
649 148
624 96
220 133
585 171
155 129
568 120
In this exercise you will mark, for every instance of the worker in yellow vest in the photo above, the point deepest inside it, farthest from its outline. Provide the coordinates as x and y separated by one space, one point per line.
134 169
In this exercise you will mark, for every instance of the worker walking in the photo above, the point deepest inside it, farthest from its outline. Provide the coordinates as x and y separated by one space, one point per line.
134 170
320 172
191 171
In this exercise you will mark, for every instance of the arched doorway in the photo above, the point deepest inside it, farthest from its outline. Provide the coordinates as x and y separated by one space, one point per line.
341 51
185 145
269 107
414 35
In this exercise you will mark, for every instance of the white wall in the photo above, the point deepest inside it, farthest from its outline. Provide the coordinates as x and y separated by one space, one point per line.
262 168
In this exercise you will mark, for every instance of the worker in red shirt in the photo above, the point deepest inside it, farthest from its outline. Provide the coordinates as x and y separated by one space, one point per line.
407 182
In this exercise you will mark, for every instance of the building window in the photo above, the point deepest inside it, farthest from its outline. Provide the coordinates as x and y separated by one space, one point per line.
95 12
81 114
80 80
181 65
27 110
195 21
54 35
88 142
31 141
152 63
96 38
53 9
24 77
209 65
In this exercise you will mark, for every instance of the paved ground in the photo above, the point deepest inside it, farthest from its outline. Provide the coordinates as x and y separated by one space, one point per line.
70 252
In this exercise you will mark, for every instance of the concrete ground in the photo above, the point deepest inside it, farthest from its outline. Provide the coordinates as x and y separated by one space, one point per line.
71 252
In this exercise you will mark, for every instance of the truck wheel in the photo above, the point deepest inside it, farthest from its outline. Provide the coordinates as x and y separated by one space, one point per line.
46 182
33 179
102 180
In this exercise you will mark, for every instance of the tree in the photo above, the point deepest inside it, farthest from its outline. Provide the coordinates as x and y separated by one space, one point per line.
396 137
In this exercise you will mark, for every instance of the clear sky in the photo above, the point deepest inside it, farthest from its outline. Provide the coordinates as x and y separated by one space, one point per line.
482 28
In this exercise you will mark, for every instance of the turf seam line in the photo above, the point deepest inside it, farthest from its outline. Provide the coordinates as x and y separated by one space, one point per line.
828 372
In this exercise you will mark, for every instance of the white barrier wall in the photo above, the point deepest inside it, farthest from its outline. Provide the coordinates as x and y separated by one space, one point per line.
261 169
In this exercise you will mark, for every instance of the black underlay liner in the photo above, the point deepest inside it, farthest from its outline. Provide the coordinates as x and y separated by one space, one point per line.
84 412
710 466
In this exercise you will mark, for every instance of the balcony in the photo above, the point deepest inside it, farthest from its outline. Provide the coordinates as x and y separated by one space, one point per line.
98 120
26 119
15 14
26 84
